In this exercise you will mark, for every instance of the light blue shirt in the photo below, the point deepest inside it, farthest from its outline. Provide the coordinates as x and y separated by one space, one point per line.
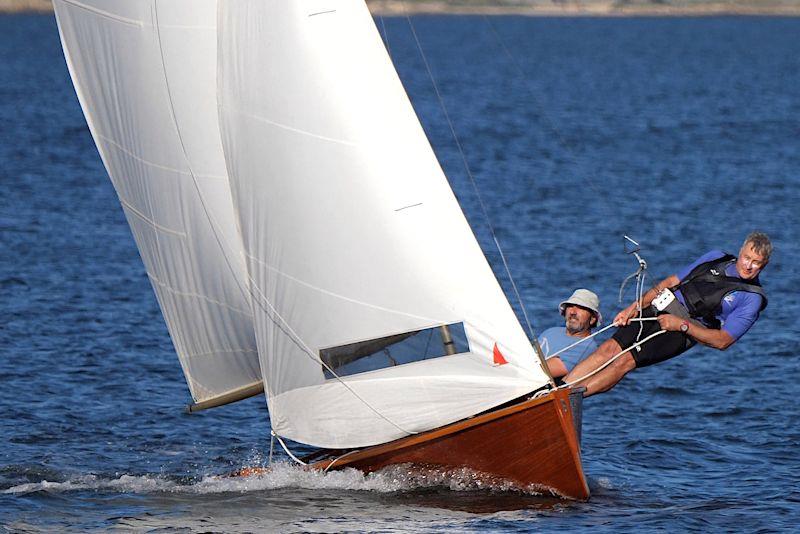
554 339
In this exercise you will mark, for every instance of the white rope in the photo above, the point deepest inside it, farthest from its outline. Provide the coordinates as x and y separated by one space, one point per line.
612 325
541 393
580 341
286 449
609 362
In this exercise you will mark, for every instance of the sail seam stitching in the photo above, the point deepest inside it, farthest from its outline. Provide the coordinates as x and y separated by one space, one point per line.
215 352
212 223
145 218
409 206
221 242
174 291
349 299
187 27
290 128
106 14
153 164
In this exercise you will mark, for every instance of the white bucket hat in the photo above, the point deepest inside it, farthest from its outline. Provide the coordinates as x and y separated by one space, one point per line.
585 299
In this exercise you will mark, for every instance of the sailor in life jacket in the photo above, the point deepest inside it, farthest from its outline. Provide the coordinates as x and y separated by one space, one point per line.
712 301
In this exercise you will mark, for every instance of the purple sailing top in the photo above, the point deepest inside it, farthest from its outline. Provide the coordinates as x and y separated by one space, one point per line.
739 309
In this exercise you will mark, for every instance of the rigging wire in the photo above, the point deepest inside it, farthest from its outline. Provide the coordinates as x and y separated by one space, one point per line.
639 296
271 445
385 35
482 204
589 177
640 274
550 123
562 140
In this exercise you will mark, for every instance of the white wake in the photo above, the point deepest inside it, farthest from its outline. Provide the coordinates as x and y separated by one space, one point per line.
280 475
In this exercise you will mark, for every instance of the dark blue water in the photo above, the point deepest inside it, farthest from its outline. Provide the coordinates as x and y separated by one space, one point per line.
681 132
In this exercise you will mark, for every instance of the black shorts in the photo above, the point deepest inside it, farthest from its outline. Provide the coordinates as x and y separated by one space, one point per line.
662 347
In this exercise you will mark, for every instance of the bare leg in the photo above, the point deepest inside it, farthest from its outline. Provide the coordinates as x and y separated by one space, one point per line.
608 377
604 352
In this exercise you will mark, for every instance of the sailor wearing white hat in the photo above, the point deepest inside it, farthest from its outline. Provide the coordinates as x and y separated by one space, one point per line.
581 312
583 298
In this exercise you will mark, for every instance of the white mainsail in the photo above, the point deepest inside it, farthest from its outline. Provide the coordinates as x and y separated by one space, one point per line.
350 230
145 74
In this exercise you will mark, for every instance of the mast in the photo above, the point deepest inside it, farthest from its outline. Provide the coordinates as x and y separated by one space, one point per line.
447 340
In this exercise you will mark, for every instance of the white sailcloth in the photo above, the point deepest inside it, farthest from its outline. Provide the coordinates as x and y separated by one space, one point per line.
351 231
145 74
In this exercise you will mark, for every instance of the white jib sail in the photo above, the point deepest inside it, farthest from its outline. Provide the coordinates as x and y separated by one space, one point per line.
351 231
145 74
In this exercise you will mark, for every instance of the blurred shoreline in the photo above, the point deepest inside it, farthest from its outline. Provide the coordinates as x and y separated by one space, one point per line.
610 8
600 8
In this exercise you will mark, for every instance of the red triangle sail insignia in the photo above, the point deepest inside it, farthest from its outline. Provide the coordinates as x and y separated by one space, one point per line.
499 359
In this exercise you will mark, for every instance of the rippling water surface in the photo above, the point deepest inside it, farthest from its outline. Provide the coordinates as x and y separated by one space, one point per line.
681 132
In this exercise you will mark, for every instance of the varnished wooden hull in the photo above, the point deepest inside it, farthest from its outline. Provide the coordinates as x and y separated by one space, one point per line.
533 444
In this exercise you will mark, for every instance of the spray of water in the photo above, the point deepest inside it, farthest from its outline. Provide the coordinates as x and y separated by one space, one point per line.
279 475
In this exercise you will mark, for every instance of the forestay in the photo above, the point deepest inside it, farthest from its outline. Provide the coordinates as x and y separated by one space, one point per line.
145 74
351 231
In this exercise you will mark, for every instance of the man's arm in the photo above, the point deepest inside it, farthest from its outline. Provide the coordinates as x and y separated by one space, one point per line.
624 317
557 367
717 339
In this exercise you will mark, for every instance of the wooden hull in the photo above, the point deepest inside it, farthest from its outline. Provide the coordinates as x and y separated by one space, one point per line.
533 444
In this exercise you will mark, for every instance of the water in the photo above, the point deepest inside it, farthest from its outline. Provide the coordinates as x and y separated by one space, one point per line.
681 132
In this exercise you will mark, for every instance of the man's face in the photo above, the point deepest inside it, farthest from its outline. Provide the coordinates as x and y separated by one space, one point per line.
749 263
578 319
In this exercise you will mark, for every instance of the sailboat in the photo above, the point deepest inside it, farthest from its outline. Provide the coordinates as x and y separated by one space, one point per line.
302 239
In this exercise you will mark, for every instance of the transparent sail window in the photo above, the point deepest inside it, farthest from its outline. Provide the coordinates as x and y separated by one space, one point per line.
394 350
